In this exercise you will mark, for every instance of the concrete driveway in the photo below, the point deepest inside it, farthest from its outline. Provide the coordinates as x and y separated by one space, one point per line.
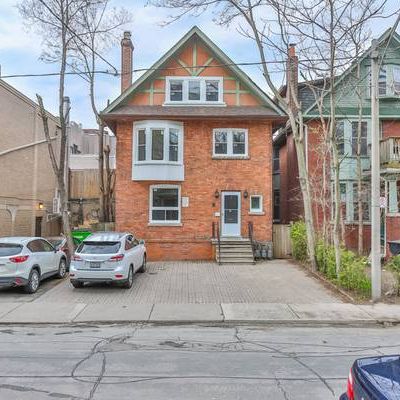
277 281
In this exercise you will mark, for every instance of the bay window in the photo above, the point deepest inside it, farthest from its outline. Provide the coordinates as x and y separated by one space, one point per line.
158 151
230 143
194 90
165 204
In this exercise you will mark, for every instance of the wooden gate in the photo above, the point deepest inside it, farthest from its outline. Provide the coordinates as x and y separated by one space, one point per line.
281 241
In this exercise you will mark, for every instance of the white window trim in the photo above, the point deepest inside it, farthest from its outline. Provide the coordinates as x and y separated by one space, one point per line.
148 126
151 208
348 137
257 210
185 90
229 153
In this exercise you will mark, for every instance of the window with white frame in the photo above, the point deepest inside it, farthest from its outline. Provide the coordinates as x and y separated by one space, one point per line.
230 143
256 203
363 137
165 201
158 142
347 138
194 90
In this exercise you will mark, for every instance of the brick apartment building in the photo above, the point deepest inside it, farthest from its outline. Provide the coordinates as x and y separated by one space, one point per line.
194 151
287 197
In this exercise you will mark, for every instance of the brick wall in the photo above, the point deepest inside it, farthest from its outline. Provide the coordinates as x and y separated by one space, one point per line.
390 129
203 176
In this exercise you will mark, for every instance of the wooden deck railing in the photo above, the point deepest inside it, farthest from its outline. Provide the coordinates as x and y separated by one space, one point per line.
390 150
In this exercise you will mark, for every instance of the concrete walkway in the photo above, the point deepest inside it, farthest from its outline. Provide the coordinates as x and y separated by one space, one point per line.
322 313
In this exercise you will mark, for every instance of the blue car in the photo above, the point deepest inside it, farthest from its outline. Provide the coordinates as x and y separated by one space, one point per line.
374 378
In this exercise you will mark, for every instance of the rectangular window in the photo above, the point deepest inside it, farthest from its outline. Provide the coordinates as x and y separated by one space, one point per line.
165 204
382 81
157 144
275 159
141 144
256 205
173 144
396 79
194 90
363 138
340 137
202 90
221 142
212 90
176 90
277 205
365 199
239 143
230 142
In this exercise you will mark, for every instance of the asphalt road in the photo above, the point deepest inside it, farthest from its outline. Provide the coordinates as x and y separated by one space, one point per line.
183 362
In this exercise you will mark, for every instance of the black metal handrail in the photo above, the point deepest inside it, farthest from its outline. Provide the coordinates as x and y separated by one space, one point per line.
219 245
251 238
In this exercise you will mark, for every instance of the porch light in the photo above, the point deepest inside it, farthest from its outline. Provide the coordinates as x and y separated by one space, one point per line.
41 206
216 194
246 194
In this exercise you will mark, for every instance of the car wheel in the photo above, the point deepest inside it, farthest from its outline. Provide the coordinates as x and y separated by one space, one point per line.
129 282
77 284
143 266
62 269
33 282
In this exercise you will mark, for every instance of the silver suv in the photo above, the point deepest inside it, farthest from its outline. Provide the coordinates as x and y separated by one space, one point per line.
108 257
26 261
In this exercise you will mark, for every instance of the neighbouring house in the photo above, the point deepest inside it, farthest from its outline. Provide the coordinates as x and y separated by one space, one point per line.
194 152
28 189
84 185
288 201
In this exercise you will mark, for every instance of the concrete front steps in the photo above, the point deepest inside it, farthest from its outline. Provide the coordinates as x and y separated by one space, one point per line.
234 251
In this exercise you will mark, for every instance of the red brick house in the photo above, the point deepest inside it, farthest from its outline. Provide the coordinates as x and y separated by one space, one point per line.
194 151
287 196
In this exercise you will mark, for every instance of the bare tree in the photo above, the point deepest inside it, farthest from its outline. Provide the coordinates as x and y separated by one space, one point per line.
56 21
102 28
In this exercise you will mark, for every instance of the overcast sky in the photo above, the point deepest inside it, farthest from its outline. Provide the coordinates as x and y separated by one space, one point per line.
20 50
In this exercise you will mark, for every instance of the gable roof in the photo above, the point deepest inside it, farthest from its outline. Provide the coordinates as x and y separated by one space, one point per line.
228 63
366 53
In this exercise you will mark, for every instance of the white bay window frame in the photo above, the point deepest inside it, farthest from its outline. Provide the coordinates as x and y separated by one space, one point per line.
229 153
185 90
152 208
149 127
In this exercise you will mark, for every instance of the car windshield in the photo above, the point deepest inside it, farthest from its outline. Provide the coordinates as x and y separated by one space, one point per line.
8 249
99 247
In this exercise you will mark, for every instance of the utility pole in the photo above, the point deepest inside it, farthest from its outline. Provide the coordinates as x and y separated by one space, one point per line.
375 178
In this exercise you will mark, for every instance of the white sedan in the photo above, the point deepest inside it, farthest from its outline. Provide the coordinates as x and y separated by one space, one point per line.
108 257
26 261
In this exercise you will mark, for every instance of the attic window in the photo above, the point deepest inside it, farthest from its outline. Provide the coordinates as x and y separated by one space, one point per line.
194 90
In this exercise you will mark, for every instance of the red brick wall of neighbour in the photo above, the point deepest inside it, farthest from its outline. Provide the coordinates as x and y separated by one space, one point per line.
351 237
392 229
390 129
203 176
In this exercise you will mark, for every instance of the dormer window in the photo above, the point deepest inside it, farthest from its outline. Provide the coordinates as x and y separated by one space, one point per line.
194 90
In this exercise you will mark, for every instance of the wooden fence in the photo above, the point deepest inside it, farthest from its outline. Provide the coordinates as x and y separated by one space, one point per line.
281 241
84 184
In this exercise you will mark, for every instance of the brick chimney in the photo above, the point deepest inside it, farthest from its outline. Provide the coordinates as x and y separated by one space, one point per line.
292 74
126 61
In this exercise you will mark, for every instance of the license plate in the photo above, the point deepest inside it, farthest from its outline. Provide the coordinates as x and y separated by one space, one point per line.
95 264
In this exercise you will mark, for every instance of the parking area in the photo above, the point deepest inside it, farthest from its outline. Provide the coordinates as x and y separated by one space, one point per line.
277 281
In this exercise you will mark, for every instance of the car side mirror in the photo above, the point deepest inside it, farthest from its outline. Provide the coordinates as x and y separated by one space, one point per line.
141 241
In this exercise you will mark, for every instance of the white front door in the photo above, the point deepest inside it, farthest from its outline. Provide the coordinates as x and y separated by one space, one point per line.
230 215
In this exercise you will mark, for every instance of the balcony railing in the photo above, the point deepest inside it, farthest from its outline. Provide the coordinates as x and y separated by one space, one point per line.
390 152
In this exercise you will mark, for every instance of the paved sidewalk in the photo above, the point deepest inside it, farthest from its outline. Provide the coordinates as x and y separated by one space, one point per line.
322 313
276 281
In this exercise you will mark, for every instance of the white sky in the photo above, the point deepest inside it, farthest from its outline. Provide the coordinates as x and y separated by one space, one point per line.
20 50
